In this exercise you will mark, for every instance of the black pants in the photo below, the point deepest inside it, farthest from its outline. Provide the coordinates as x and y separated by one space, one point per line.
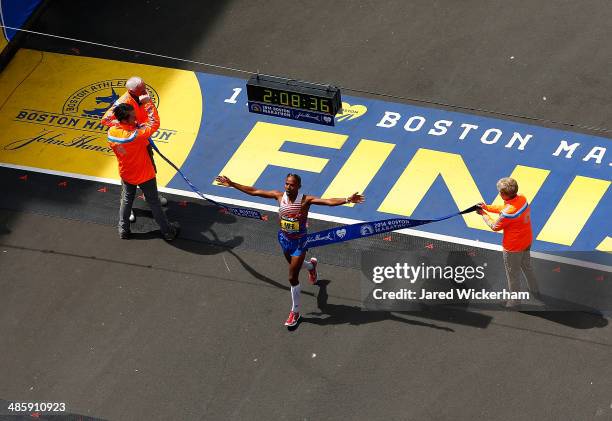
149 189
150 150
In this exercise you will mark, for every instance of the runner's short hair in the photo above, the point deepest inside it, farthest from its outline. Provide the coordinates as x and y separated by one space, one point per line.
122 111
508 186
297 178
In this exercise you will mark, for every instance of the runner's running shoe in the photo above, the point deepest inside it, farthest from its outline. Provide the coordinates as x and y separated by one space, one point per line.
293 318
313 276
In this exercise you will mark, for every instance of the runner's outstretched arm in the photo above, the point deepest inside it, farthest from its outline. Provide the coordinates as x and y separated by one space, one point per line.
354 198
250 190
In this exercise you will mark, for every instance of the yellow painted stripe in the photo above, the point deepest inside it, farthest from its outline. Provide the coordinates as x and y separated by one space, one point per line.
529 180
3 41
605 245
419 176
261 148
359 169
573 211
17 71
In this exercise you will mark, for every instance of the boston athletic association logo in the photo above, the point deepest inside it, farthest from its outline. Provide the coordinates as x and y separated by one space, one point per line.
94 99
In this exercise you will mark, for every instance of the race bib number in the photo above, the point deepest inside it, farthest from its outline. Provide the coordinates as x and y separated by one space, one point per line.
290 225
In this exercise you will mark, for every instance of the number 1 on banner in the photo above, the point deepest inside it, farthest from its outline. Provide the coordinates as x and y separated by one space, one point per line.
232 99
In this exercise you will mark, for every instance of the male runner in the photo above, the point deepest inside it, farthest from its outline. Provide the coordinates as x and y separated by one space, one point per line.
293 213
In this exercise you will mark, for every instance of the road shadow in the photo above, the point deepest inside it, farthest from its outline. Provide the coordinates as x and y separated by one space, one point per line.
334 314
573 319
576 316
4 229
344 314
201 226
263 278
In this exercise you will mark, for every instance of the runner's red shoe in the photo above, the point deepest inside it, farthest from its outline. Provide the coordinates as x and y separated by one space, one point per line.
293 318
313 276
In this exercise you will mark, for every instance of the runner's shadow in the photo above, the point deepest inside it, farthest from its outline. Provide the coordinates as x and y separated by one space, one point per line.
334 314
263 278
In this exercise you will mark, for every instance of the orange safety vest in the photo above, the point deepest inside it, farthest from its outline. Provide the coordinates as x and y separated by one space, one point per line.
514 220
108 119
130 146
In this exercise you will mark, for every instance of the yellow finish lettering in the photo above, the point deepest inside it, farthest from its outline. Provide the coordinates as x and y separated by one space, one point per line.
419 176
605 245
261 148
426 165
573 211
530 181
359 169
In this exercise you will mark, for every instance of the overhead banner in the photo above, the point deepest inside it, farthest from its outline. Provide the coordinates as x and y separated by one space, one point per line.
410 162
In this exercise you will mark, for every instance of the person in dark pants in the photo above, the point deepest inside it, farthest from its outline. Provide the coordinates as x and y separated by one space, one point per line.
129 142
135 88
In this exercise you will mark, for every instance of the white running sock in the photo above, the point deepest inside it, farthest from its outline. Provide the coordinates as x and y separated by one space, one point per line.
295 298
307 265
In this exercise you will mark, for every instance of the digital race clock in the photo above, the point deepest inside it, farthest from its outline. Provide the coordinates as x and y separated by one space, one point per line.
293 99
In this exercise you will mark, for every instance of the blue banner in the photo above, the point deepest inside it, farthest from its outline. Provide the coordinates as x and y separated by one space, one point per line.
367 229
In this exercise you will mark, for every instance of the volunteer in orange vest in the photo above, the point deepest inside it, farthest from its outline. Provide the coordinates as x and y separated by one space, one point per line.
129 141
135 88
515 221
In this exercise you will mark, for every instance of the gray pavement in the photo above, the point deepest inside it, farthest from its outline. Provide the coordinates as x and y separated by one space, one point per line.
148 330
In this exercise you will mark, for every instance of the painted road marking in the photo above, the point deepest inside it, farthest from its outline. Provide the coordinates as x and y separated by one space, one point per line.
408 161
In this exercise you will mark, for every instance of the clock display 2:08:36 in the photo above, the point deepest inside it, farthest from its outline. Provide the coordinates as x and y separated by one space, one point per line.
292 99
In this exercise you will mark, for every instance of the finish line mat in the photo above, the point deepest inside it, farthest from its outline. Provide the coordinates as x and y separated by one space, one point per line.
409 161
